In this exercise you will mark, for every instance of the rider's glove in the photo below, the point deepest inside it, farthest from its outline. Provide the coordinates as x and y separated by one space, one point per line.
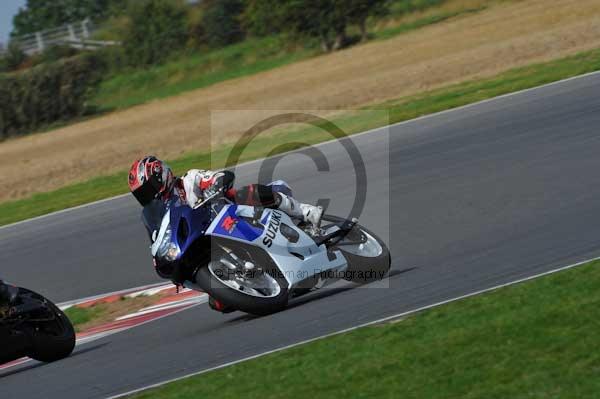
220 181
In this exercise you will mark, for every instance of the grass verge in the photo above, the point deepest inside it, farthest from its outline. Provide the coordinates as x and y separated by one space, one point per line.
85 317
82 316
399 110
133 87
424 21
531 340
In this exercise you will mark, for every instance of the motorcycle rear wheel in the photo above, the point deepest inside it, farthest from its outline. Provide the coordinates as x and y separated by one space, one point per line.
368 263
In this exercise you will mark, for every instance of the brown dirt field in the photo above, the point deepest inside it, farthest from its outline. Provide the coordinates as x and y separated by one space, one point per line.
478 45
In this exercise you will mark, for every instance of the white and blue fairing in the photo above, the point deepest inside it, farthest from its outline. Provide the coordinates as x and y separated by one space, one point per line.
175 227
298 258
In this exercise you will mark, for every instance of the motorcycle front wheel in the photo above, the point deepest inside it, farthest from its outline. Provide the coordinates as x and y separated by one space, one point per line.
258 292
52 339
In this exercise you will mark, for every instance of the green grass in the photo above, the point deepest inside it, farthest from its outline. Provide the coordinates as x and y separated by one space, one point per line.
403 7
419 23
194 71
80 316
532 340
393 111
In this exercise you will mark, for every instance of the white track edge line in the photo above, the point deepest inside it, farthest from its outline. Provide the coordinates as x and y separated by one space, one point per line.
378 321
74 302
386 127
159 308
94 337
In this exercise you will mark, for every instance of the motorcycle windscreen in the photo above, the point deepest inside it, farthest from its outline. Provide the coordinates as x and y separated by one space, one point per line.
152 215
145 194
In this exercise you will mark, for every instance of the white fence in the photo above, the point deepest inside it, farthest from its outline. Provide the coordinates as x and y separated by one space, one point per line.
76 35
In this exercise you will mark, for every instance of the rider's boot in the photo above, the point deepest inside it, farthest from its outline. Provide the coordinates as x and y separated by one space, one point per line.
306 212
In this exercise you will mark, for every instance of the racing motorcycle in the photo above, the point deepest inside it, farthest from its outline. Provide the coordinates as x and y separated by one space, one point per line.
35 327
255 259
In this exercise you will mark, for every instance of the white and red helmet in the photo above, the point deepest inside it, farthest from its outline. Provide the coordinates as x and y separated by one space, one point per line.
150 178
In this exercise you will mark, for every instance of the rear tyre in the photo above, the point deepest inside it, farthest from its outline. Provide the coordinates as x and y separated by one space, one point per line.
52 340
366 265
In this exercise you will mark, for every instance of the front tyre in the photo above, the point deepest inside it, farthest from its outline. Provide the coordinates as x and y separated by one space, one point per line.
368 257
54 339
269 295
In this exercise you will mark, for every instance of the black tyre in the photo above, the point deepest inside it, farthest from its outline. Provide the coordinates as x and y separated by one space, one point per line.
52 340
239 300
364 269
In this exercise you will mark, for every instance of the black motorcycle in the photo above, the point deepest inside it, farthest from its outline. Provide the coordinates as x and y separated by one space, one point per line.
35 327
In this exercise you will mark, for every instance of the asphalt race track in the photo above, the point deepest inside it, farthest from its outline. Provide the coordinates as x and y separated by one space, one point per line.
467 200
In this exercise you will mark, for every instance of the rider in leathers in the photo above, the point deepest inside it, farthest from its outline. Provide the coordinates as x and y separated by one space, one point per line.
151 179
